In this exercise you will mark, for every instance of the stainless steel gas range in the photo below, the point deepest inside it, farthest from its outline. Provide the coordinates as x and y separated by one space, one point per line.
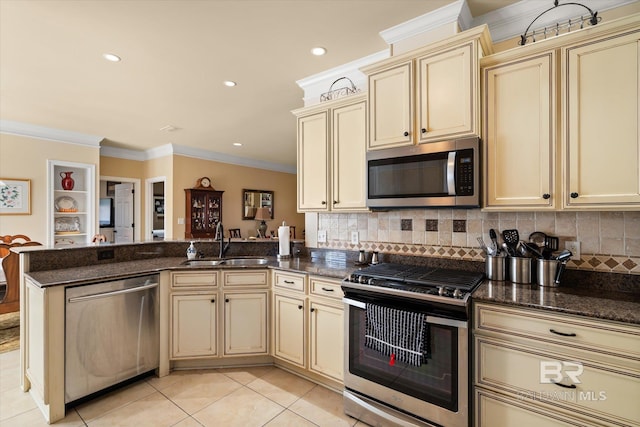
406 345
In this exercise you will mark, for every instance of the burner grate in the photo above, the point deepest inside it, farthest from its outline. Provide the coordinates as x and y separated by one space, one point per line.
420 275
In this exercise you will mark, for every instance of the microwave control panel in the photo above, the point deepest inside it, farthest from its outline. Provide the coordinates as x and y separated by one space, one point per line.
464 173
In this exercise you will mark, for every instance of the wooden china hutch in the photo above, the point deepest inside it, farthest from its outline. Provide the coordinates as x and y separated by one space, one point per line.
203 210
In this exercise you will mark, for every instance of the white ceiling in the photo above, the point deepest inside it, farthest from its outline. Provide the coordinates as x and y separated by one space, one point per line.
175 56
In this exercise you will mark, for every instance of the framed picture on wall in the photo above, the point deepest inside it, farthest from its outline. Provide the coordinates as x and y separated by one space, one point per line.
158 205
15 196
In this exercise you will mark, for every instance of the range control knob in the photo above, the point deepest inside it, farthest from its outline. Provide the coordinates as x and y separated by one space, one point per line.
441 291
457 293
363 279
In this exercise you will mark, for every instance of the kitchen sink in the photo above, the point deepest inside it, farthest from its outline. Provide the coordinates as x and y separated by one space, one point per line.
244 261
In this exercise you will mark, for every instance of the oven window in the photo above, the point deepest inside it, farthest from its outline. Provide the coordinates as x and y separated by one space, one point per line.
435 381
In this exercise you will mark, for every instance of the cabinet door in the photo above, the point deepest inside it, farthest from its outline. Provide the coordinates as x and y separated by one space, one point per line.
313 161
391 107
447 95
245 323
348 142
601 113
326 340
289 327
519 135
193 325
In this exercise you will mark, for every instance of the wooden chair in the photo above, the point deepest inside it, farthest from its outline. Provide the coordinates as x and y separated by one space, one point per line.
235 232
11 267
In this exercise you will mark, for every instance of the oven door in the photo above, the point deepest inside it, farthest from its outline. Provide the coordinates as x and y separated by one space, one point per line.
436 391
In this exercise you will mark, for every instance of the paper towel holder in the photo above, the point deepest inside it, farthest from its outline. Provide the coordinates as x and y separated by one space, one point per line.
287 255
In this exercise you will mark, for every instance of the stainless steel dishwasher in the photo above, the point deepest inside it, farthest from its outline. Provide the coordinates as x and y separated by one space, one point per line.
112 333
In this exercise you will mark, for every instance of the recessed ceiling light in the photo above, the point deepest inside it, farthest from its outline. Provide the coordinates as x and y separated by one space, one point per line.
111 57
237 144
318 51
229 83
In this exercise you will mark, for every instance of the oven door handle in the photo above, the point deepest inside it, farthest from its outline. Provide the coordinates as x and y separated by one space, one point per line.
355 303
430 319
447 322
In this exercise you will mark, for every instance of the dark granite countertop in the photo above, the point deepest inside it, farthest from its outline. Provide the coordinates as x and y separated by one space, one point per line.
115 271
595 303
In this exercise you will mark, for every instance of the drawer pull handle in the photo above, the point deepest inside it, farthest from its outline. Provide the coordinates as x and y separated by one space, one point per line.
289 282
564 385
327 289
571 334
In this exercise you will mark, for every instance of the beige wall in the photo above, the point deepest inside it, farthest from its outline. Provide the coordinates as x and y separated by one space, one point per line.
26 158
232 179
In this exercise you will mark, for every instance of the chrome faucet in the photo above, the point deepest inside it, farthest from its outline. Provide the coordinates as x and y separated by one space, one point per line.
220 235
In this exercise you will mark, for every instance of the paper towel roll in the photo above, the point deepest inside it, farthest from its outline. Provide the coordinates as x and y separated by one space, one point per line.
283 240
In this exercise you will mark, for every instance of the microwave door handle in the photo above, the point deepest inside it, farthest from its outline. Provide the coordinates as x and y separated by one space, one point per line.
451 175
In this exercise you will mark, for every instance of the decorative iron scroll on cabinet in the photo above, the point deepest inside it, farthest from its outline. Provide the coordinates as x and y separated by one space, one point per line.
559 27
340 92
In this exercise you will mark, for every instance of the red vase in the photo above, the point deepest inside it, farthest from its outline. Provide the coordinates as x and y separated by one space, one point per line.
67 181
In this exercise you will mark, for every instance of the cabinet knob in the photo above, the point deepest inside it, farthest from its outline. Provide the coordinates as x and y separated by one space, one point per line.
226 300
313 309
335 202
213 300
546 196
574 195
299 307
423 130
406 134
324 203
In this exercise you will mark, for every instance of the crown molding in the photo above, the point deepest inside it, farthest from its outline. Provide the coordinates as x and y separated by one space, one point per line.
49 134
230 159
427 22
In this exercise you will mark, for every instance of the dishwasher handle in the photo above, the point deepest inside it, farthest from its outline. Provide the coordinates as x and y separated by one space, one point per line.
113 293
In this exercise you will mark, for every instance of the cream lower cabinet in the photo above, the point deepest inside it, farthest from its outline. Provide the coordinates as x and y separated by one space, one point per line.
534 367
194 325
245 323
218 313
194 315
331 155
308 326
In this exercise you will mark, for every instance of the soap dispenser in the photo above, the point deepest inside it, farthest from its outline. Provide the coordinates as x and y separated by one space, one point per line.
191 251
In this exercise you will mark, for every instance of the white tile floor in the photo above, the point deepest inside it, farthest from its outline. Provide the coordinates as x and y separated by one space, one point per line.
258 396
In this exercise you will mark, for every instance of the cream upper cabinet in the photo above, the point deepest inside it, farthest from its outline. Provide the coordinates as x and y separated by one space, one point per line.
429 94
391 107
601 145
331 155
448 92
313 157
560 122
519 136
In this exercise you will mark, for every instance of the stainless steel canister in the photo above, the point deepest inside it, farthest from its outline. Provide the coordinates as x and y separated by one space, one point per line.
520 269
547 269
495 267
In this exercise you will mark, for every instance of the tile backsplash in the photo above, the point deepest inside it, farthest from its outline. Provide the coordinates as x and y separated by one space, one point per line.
609 241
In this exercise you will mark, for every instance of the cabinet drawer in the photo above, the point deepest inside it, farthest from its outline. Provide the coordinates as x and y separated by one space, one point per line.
592 390
594 335
244 278
495 410
206 279
325 288
289 281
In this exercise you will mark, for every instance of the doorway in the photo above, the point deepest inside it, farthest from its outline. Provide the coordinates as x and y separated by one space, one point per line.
107 191
155 202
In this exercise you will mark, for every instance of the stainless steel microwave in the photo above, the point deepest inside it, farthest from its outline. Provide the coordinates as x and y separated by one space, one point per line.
437 174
